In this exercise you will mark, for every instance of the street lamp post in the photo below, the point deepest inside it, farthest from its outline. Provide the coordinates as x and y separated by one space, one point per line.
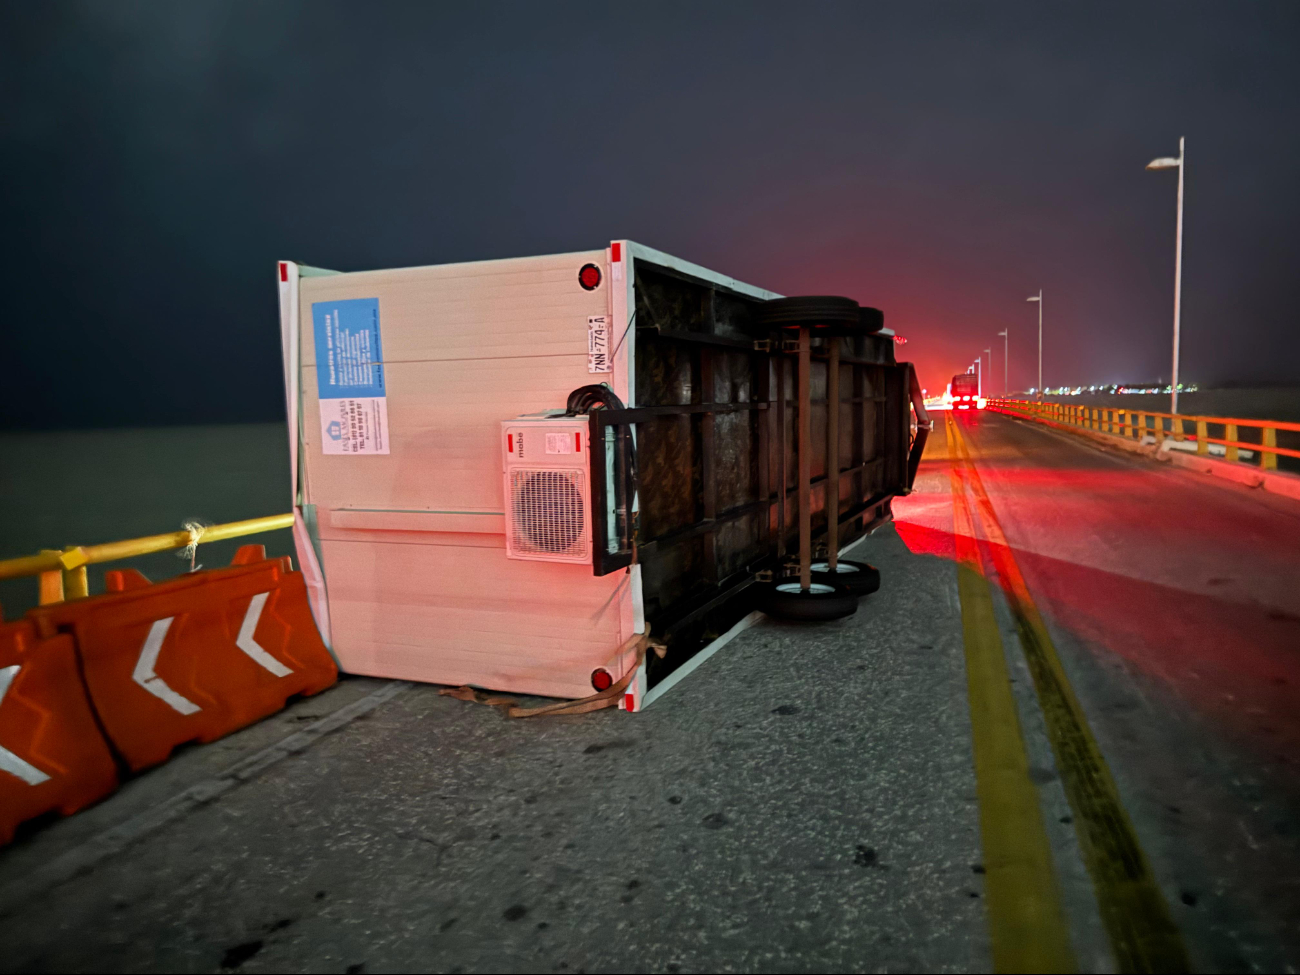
1039 298
1006 359
1168 162
979 377
989 360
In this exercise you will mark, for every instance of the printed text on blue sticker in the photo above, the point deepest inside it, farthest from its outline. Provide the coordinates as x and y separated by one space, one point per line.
349 359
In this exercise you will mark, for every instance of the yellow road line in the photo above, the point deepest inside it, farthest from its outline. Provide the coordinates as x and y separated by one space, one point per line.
1142 933
1027 927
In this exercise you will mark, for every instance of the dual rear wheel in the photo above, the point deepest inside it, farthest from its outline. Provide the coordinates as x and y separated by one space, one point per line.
829 597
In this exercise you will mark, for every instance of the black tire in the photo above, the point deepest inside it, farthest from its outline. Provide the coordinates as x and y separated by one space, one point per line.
824 601
814 310
858 578
870 320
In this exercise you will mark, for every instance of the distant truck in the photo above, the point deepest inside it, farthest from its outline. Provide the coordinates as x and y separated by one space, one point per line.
964 392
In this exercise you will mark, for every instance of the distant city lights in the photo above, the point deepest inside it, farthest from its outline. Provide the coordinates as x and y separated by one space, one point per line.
1115 390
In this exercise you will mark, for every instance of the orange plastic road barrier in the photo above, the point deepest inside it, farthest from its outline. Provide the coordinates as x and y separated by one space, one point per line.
196 657
52 755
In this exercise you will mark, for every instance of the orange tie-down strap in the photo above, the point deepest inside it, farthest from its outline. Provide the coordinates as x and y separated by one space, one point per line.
603 699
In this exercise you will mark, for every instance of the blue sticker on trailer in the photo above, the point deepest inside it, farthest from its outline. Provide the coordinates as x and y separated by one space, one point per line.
350 377
349 354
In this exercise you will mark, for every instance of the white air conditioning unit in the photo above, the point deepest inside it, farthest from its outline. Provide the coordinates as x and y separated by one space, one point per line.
547 488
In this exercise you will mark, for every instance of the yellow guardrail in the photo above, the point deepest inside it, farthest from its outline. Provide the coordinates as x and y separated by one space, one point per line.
63 572
1133 424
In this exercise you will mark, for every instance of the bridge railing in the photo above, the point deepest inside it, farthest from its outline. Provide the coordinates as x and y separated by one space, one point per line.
62 573
1140 424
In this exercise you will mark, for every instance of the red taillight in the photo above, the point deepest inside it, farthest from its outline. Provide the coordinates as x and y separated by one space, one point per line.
589 277
577 442
284 271
601 679
510 443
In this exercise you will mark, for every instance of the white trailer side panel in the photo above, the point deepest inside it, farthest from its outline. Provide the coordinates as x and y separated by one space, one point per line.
412 544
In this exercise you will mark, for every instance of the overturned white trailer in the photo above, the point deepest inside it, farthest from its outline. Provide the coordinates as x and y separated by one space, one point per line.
462 522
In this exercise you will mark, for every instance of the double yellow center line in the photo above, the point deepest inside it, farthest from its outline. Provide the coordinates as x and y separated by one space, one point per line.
1028 927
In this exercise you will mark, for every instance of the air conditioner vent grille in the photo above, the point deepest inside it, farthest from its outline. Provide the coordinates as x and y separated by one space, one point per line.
550 517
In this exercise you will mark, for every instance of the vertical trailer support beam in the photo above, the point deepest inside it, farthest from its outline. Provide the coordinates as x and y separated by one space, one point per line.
762 391
858 458
704 393
833 454
782 456
805 457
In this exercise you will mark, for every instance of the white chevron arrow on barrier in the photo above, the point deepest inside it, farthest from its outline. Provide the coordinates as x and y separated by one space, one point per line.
9 762
250 646
151 682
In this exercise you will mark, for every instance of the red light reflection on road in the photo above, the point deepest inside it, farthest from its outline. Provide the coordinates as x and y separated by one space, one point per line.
1194 600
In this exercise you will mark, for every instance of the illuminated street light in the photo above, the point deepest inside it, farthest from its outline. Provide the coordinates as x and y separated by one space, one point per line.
1006 358
1180 164
1039 298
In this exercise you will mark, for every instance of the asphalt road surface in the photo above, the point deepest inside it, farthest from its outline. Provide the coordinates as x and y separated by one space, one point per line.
811 798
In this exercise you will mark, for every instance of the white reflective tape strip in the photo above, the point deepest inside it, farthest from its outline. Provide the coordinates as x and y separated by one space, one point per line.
250 646
9 762
673 679
151 682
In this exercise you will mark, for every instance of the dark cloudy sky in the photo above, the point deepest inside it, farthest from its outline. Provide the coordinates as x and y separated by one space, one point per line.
940 161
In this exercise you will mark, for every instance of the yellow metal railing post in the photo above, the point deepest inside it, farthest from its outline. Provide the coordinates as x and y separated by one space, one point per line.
1202 431
1176 422
1268 460
1230 434
75 584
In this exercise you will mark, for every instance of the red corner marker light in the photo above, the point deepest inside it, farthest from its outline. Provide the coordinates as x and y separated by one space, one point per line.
589 277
